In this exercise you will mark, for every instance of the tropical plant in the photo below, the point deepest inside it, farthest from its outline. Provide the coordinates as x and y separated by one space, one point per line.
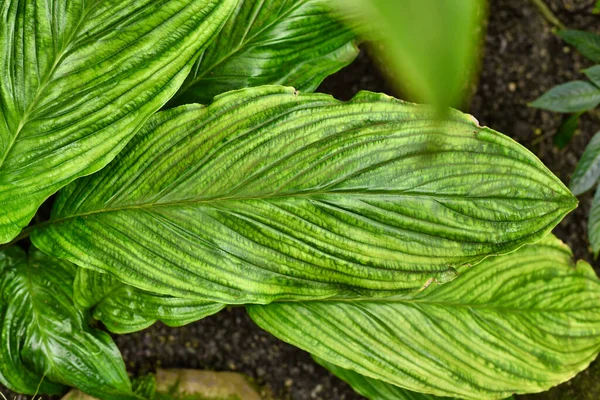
373 233
577 97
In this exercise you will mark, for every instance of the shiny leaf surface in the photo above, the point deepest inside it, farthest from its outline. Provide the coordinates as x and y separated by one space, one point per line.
125 309
518 323
78 79
271 194
45 339
286 42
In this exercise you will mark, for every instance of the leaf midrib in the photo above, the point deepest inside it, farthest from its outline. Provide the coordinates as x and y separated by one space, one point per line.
244 43
308 194
45 81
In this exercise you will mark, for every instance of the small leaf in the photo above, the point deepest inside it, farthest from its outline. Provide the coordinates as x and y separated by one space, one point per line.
587 43
78 78
271 194
565 132
593 73
519 323
594 224
587 171
46 339
374 389
125 309
570 97
286 42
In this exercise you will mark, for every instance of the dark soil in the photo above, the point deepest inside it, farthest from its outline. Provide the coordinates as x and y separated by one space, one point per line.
523 58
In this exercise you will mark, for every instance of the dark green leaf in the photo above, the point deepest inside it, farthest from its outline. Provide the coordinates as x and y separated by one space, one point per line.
594 223
593 73
271 194
285 42
374 389
566 131
124 309
587 43
570 97
78 78
45 338
587 171
519 323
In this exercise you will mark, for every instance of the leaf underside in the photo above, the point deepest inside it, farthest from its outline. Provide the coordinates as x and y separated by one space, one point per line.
45 339
285 42
520 323
270 194
78 79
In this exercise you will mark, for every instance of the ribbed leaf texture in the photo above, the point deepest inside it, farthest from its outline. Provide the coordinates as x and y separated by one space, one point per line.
374 389
125 309
270 194
519 323
45 340
78 79
285 42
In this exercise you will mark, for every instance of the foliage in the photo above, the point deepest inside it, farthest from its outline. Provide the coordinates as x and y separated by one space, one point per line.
373 233
579 97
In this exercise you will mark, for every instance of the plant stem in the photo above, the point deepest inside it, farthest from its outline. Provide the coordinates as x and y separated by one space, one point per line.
548 14
23 235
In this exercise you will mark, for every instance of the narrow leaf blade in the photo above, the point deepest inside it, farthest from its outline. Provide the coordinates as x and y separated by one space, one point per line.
570 97
594 224
271 194
78 79
285 42
519 323
587 171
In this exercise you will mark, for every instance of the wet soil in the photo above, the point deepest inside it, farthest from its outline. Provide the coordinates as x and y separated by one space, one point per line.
523 58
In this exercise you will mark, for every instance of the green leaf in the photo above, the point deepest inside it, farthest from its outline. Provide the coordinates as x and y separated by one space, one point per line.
430 45
587 171
286 42
565 132
271 194
78 79
587 43
374 389
594 224
570 97
45 338
593 73
518 323
125 309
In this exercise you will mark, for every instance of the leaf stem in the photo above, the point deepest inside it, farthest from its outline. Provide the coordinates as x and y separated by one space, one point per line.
548 14
23 235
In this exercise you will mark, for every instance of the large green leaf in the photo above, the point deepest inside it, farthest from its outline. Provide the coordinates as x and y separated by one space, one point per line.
587 43
45 338
285 42
570 97
124 309
587 171
78 79
374 389
271 194
518 323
